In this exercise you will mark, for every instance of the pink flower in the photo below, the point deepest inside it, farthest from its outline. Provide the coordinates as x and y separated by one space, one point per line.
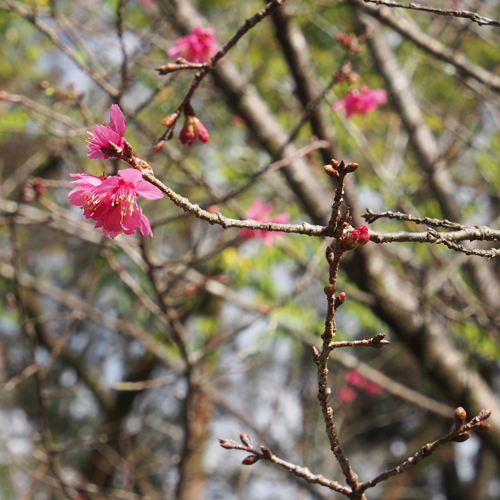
259 211
361 102
346 394
355 379
102 135
373 389
199 46
112 202
357 237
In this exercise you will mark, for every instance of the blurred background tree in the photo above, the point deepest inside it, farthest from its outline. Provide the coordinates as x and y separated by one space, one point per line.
122 360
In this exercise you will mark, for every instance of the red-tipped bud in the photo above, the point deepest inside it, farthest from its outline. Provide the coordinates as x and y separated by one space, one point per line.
462 437
329 254
355 238
340 299
158 146
460 415
170 120
482 427
188 134
245 439
201 130
485 414
250 460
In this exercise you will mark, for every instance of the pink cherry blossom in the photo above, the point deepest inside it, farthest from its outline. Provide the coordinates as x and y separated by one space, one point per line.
361 102
260 211
357 237
373 389
346 395
199 46
112 201
102 135
355 379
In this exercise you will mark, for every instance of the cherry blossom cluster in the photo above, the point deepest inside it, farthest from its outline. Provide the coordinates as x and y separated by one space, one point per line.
112 201
358 100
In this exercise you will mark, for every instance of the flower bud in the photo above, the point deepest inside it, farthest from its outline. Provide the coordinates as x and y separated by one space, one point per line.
245 439
329 254
351 167
461 437
188 134
460 415
329 290
340 299
170 120
482 427
331 171
201 130
250 460
355 238
484 414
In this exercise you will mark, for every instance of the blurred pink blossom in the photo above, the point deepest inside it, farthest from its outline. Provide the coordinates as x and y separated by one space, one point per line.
361 102
112 201
355 379
199 46
346 394
102 134
373 389
260 211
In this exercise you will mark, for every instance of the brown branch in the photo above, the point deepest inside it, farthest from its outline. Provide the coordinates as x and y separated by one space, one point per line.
473 16
32 17
409 30
303 472
371 217
429 449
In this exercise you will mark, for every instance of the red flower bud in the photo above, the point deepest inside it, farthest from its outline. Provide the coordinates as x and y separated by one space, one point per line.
250 460
482 427
355 238
201 130
188 134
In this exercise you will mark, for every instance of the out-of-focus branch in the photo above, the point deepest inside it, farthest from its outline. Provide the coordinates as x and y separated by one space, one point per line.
32 17
473 16
430 448
409 29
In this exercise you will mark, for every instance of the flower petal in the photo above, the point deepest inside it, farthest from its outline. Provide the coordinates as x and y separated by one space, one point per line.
148 191
117 120
130 175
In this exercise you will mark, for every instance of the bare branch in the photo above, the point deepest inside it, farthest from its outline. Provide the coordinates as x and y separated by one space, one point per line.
473 16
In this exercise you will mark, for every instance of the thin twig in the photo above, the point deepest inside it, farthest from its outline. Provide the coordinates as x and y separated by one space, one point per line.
473 16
